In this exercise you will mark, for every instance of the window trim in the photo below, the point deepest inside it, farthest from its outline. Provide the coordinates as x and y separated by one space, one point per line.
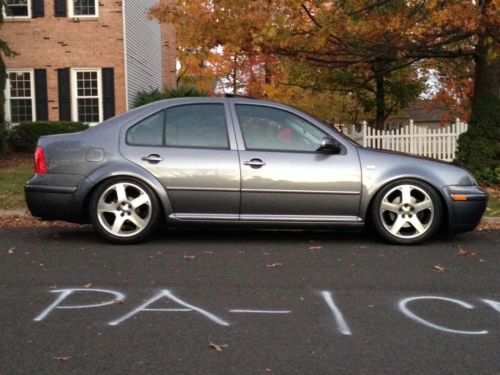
74 93
7 106
29 16
165 119
71 10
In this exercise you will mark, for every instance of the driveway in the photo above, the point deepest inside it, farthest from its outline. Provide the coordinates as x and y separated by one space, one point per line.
243 302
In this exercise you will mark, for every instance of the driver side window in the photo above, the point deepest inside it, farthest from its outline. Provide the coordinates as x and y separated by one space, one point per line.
266 128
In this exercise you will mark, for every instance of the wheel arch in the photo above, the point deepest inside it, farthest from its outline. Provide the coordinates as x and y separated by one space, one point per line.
373 191
104 174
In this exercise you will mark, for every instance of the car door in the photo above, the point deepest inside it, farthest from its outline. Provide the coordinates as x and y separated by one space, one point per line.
190 149
284 177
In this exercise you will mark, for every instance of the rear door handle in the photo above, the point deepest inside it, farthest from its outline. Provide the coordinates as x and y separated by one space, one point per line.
254 163
153 158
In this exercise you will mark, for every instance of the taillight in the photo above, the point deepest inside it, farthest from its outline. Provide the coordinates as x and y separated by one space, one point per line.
40 165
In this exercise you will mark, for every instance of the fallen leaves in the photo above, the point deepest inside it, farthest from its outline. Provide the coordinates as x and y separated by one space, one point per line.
465 253
11 250
439 268
89 285
63 359
189 257
274 265
217 347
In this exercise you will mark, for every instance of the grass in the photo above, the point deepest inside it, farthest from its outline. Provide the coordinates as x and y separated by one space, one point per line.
14 172
493 207
12 179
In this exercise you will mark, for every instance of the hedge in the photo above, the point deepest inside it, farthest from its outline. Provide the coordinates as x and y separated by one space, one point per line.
23 137
479 147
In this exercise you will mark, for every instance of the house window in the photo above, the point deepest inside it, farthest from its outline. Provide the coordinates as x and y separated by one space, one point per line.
83 8
19 96
87 95
18 9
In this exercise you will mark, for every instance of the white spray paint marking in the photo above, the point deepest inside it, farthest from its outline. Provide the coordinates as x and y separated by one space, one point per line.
495 305
339 318
404 309
167 293
66 292
239 311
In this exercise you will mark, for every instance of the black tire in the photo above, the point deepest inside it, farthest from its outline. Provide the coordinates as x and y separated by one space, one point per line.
114 200
407 212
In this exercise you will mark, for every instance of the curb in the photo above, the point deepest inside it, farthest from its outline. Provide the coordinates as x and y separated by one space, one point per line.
24 213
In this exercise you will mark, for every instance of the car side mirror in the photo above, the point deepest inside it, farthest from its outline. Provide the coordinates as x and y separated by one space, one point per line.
330 145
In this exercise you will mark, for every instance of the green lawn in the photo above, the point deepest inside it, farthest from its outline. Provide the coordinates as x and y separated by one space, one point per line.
12 180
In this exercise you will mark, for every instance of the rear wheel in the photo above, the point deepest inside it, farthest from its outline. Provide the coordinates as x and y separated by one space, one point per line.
407 211
124 210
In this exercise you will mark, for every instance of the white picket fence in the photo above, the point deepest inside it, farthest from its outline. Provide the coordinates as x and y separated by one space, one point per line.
434 143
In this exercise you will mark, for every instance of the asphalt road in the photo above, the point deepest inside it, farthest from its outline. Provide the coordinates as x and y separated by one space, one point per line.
271 302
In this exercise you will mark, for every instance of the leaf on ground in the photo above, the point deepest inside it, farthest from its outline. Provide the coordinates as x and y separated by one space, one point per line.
439 268
63 359
11 250
189 257
274 265
119 302
315 247
86 286
466 253
217 347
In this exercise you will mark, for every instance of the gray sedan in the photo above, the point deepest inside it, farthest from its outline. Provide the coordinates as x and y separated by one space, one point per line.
241 161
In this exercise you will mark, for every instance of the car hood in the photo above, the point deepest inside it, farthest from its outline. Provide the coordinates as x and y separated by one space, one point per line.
382 164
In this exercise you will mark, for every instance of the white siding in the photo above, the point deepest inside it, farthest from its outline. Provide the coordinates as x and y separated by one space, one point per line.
143 49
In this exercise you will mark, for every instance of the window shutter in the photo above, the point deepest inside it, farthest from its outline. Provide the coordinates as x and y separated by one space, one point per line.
37 8
42 101
60 8
63 80
108 94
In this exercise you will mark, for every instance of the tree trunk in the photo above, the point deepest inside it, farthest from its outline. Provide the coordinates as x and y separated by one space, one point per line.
486 72
379 99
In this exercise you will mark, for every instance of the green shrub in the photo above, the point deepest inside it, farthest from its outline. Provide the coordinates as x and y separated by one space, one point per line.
479 147
23 137
146 97
3 139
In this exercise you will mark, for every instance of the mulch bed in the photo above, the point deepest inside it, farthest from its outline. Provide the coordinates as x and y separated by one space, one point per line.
15 159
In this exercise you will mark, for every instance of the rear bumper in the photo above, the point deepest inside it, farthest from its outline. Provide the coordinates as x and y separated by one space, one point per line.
53 202
465 215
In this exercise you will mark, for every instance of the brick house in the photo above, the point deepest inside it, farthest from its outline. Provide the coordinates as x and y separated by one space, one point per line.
83 60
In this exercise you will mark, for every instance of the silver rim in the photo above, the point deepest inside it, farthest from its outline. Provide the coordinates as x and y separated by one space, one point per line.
407 211
124 209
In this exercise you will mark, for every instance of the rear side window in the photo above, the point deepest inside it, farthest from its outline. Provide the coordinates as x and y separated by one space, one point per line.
196 125
148 132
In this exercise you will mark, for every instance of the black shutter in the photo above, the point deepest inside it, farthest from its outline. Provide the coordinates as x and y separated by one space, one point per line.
60 8
42 101
64 88
108 92
37 8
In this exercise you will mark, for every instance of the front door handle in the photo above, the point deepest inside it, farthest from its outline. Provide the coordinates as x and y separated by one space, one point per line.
254 163
153 158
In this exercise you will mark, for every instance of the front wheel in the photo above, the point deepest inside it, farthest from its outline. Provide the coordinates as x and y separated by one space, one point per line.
124 210
407 211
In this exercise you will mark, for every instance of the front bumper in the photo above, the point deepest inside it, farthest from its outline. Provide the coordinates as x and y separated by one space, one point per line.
466 206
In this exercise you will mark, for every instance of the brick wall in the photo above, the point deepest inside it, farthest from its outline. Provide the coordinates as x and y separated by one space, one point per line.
60 42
